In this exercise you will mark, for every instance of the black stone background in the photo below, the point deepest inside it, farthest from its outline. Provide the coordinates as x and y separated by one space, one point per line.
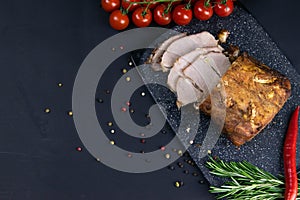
43 43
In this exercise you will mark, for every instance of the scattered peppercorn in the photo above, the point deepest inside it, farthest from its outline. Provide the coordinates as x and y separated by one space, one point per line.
167 156
109 123
112 142
59 84
124 71
179 152
143 141
128 78
178 184
180 164
195 174
70 113
47 110
100 100
112 131
79 149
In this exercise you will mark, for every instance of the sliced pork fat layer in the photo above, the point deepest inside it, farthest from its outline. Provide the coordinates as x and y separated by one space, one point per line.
184 45
158 52
184 61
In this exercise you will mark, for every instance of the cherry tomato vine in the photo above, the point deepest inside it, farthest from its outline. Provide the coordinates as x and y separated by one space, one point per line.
163 12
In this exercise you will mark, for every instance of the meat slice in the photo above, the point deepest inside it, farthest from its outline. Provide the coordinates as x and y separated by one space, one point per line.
218 62
205 74
202 76
184 45
155 57
254 95
187 92
184 61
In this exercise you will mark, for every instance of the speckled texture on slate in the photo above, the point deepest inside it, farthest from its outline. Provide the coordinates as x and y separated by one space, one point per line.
265 150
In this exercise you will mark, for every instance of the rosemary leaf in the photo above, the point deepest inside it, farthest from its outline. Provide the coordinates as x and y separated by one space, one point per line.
248 182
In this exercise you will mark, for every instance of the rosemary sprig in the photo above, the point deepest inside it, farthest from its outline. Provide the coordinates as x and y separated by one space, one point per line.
248 182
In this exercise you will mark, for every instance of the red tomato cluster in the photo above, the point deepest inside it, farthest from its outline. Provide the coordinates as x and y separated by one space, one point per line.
143 12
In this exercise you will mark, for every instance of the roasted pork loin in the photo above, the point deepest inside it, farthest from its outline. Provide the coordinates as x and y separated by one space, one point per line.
196 64
254 95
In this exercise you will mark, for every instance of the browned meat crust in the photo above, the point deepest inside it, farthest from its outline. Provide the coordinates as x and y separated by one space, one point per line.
254 95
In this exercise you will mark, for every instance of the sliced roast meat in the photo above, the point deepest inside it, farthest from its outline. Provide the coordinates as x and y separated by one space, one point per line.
184 61
187 93
206 71
179 65
184 45
158 52
218 61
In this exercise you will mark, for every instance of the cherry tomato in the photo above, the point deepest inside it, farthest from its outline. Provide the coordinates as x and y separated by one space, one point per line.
153 3
161 17
133 6
118 20
203 10
110 5
142 17
223 8
182 15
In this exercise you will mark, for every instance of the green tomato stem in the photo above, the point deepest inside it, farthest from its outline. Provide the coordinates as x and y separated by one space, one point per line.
123 11
188 5
127 10
168 8
170 5
207 3
223 1
145 10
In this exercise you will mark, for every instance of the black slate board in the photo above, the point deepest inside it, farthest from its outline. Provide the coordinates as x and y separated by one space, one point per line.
265 150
